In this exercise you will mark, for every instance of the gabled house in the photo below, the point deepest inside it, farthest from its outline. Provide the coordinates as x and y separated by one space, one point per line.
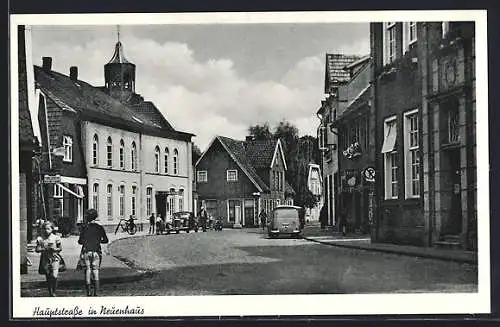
236 179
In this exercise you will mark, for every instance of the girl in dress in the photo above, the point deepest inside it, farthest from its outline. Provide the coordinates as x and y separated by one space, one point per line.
49 246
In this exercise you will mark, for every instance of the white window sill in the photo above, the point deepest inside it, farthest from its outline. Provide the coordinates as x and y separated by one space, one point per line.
68 160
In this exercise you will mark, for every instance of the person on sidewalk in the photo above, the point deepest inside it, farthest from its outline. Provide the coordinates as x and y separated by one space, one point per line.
151 224
49 245
263 219
203 218
159 224
91 238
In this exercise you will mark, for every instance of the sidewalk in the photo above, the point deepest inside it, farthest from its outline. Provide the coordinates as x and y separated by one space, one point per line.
363 242
112 269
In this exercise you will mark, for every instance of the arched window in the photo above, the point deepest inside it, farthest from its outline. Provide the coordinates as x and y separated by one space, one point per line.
109 194
122 200
95 196
134 156
122 154
134 199
166 161
157 159
171 202
176 158
181 200
149 200
109 151
95 151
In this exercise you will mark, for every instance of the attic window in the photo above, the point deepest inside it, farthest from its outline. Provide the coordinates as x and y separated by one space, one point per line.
137 120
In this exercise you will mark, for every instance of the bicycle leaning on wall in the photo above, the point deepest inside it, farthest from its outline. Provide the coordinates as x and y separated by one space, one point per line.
127 225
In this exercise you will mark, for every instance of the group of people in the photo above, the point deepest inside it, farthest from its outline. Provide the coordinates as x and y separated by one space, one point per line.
49 245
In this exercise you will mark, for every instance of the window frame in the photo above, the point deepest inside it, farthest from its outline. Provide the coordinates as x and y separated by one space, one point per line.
68 148
95 150
133 161
109 201
176 162
391 163
149 200
389 29
109 153
165 160
121 190
133 201
199 173
95 196
411 168
157 165
122 154
228 172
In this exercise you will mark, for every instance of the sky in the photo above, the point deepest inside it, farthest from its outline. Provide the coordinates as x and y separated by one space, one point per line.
215 79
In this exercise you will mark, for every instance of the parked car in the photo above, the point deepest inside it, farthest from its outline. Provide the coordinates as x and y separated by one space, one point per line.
183 220
284 219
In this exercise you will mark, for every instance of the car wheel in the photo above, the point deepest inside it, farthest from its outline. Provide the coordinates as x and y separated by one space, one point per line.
177 231
187 231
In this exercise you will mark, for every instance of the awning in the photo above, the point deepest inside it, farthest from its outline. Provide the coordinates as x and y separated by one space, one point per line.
390 139
70 191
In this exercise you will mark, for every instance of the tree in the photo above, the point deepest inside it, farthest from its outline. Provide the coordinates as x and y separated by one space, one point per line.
196 153
260 132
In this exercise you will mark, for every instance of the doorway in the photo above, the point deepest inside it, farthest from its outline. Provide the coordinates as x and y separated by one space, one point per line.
453 224
161 205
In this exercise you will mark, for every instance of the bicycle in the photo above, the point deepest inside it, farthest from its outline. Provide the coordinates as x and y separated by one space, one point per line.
130 227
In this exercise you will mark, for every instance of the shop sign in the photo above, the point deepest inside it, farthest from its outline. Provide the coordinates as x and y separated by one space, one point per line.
51 179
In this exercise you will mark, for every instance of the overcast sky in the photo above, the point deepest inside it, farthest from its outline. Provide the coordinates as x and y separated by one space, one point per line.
213 79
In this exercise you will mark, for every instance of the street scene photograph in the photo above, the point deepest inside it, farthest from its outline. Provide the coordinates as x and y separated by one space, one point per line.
247 159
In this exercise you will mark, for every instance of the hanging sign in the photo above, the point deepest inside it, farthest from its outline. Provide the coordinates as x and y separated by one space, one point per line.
51 179
369 174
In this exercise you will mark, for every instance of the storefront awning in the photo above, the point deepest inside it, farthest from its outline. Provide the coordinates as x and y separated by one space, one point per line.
390 139
80 196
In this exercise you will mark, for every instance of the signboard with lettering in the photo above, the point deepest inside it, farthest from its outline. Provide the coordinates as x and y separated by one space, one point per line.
51 179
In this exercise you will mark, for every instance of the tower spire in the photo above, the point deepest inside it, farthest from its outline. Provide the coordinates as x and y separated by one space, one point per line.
118 32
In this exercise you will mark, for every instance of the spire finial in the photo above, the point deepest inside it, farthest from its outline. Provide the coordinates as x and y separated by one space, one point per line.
118 32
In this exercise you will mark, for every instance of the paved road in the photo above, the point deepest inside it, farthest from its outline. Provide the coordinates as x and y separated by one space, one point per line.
247 262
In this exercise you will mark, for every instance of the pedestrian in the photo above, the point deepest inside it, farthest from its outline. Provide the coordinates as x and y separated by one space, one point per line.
263 218
203 216
342 221
49 246
91 238
159 224
151 224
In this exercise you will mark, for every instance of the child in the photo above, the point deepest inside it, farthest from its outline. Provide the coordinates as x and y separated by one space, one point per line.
49 245
91 238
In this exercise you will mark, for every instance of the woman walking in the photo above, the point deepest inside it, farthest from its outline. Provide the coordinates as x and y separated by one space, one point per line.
49 246
91 238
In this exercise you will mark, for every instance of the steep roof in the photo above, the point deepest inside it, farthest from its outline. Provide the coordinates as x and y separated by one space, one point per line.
260 152
94 104
237 151
334 69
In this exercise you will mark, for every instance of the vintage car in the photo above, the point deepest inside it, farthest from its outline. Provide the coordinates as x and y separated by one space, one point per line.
284 219
183 220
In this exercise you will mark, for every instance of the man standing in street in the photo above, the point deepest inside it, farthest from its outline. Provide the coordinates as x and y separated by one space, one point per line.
263 218
151 224
203 218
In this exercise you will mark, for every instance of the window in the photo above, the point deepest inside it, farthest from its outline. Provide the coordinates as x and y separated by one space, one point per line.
390 158
134 199
409 34
412 159
59 196
176 155
232 212
171 201
109 193
232 175
322 142
149 199
157 159
95 151
202 176
122 154
110 152
68 148
95 196
122 200
165 164
453 121
389 42
181 200
133 156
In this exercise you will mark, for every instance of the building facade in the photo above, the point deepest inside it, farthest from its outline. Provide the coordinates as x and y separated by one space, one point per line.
356 143
315 185
425 136
237 179
118 153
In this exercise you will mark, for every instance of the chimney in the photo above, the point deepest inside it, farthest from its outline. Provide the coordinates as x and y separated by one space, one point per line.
73 73
47 63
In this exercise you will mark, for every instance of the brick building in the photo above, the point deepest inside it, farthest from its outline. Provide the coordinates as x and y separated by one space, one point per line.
423 86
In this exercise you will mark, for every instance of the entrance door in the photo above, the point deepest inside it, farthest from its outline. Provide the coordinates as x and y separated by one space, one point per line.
249 213
237 215
454 221
161 205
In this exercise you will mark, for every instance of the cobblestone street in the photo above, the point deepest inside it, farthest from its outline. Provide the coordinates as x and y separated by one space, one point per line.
247 262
